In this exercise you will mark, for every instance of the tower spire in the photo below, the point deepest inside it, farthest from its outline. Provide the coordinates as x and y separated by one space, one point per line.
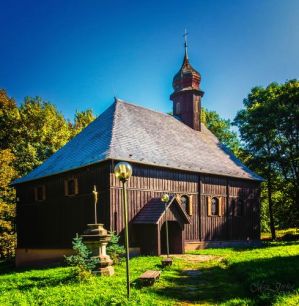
185 44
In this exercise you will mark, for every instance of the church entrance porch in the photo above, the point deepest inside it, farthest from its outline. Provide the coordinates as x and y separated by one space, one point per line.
175 238
149 226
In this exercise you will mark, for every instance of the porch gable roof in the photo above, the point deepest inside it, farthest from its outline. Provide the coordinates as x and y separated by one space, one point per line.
154 211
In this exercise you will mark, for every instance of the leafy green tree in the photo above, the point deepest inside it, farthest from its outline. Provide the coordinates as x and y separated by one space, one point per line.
9 117
82 120
29 134
221 128
7 204
42 130
269 129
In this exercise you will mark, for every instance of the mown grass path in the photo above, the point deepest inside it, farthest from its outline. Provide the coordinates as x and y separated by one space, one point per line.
267 275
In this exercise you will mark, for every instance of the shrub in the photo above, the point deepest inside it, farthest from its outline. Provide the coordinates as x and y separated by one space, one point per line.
114 249
8 245
81 260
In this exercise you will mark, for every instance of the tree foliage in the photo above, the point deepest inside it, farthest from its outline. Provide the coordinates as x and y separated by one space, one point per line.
82 119
29 134
7 204
221 128
269 129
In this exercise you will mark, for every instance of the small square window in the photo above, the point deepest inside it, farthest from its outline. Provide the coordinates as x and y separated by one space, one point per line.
71 186
40 193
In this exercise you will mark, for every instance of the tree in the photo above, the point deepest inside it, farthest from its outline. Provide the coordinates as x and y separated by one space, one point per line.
9 116
269 129
7 204
42 130
221 128
82 120
29 134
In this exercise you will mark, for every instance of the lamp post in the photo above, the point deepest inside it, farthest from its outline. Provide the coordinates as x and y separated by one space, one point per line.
123 172
167 261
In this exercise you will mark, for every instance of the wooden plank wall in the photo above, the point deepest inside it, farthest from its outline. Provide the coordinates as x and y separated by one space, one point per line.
228 226
55 221
246 226
149 182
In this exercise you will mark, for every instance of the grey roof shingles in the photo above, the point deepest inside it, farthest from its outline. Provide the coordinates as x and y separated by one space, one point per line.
128 132
154 210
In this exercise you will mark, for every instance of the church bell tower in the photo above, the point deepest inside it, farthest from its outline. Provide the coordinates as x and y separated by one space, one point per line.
187 94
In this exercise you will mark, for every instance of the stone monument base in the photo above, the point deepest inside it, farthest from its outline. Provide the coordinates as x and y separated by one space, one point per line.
107 271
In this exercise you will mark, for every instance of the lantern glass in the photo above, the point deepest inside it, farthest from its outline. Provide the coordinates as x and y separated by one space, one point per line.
123 171
165 198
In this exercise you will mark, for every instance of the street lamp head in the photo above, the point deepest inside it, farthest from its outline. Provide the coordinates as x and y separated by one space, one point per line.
123 171
165 198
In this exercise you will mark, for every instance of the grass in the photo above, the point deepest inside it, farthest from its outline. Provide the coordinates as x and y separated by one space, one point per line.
267 275
286 234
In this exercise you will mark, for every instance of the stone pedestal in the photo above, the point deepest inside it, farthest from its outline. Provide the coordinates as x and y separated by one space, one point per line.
96 239
166 262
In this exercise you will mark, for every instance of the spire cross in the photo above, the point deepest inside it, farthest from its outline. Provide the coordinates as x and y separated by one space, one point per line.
185 44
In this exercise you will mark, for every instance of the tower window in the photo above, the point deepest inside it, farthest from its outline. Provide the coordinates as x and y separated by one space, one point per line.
178 108
71 186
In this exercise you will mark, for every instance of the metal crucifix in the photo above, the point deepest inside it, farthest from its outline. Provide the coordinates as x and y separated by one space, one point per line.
185 44
95 196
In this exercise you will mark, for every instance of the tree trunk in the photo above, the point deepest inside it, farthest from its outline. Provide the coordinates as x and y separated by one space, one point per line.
272 227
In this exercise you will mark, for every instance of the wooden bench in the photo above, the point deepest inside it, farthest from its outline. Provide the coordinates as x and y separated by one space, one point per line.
149 277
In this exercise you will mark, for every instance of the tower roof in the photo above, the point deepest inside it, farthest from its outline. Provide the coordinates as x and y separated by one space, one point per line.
128 132
187 77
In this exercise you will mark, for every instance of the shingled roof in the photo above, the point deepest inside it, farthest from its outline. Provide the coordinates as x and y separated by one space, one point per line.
154 210
129 132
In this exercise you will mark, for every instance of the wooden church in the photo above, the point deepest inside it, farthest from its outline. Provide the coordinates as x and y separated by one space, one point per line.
215 198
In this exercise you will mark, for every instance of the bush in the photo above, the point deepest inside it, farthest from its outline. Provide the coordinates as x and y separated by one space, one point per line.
114 249
8 245
81 260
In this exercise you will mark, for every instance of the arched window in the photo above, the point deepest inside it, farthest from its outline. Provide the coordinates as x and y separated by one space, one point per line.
215 207
71 186
184 201
233 207
240 208
186 204
40 193
178 108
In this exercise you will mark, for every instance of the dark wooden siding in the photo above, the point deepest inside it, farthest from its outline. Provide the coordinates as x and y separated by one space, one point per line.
149 182
213 227
55 221
229 226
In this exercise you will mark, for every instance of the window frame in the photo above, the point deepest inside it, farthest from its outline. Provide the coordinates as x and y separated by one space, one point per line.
189 203
238 201
36 194
209 206
234 206
66 186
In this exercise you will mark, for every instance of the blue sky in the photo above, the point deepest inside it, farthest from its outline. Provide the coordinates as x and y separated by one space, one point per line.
80 54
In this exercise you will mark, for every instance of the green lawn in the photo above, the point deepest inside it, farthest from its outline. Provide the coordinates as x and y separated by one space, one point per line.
257 276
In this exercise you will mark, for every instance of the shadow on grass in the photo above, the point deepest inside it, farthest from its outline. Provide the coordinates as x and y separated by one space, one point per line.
260 281
264 244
